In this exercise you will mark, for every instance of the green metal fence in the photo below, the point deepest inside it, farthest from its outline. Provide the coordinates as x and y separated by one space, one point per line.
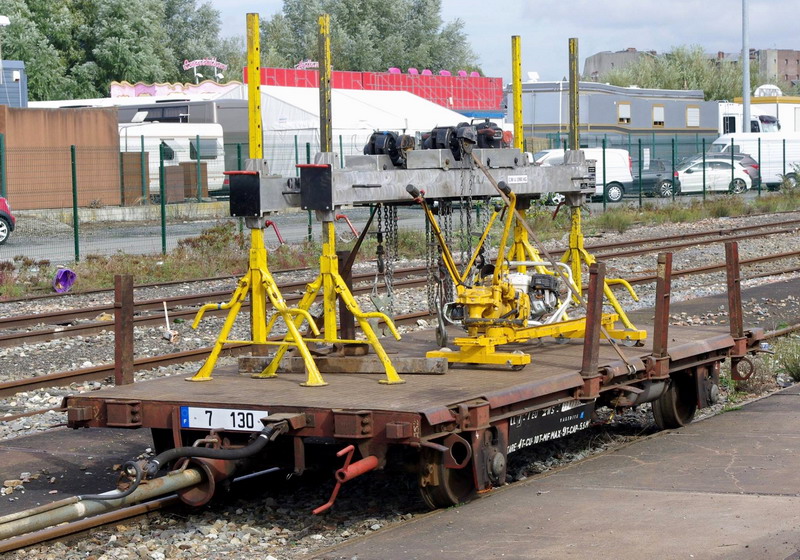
74 202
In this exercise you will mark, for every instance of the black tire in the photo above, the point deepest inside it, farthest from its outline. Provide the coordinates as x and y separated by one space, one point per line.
5 230
664 189
738 186
790 181
676 407
614 192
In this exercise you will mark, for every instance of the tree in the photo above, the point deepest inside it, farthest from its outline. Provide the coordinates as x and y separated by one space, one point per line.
75 48
684 68
368 35
193 32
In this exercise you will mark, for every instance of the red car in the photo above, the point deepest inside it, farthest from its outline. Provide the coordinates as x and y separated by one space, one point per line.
7 220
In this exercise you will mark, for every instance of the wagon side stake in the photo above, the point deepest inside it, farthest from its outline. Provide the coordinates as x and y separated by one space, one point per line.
348 472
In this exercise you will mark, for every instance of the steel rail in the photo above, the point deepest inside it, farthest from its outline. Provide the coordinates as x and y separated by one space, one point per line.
44 335
10 388
69 315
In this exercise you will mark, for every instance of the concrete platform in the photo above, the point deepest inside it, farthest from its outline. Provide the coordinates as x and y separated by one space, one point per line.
724 488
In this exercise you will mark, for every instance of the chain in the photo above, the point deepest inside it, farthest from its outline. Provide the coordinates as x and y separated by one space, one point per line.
446 216
392 250
430 266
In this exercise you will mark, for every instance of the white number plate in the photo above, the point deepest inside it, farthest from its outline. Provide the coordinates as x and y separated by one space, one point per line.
222 418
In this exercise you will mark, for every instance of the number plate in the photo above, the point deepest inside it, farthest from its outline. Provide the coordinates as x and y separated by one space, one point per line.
222 418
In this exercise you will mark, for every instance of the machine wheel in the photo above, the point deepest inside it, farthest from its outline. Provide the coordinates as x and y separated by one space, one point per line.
676 407
5 230
455 485
614 192
738 186
790 181
664 189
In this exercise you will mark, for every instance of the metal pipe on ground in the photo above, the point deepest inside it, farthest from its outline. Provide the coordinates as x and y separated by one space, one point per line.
147 490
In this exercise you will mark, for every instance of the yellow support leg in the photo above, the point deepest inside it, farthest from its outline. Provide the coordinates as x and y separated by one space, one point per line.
331 284
576 256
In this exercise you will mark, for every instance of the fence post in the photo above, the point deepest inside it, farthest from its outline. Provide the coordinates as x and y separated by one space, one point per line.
199 175
239 166
640 172
704 169
3 186
75 218
145 175
296 156
121 179
308 160
760 178
733 164
163 196
673 167
605 181
784 157
341 152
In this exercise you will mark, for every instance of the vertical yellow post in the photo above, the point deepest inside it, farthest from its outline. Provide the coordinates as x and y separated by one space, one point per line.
574 109
254 87
258 253
325 131
516 88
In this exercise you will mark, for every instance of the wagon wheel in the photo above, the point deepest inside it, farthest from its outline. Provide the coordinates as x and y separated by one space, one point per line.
676 407
455 485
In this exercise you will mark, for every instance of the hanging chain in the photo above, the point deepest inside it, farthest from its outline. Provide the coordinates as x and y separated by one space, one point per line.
392 243
430 267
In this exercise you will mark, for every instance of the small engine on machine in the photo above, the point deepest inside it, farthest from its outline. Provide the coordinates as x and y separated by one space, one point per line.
541 289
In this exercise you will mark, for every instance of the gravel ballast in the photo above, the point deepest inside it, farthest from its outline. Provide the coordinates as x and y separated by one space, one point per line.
278 524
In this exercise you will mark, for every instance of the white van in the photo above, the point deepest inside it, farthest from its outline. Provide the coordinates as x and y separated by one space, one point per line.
180 145
618 165
772 164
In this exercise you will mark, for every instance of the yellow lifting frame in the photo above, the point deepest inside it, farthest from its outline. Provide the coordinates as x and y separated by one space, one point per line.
332 285
260 284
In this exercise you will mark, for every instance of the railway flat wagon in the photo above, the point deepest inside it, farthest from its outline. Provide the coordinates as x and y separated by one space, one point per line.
455 423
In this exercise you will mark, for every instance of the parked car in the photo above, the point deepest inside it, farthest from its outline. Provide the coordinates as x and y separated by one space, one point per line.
750 165
778 153
7 220
617 168
657 179
718 175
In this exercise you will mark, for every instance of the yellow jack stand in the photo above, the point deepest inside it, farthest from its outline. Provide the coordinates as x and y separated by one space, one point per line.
261 285
576 256
333 285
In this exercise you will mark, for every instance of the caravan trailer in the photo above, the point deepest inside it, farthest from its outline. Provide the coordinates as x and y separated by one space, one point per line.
180 144
778 154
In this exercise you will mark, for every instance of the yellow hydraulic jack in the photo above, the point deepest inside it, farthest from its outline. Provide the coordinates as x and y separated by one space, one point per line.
332 284
499 312
576 256
261 285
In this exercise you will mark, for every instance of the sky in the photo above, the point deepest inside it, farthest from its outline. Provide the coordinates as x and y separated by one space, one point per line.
599 25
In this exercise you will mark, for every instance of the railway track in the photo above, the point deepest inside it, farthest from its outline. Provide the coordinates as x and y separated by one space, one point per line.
63 319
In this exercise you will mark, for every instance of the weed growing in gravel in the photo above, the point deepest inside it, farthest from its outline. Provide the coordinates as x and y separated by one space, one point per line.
787 357
22 275
616 219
